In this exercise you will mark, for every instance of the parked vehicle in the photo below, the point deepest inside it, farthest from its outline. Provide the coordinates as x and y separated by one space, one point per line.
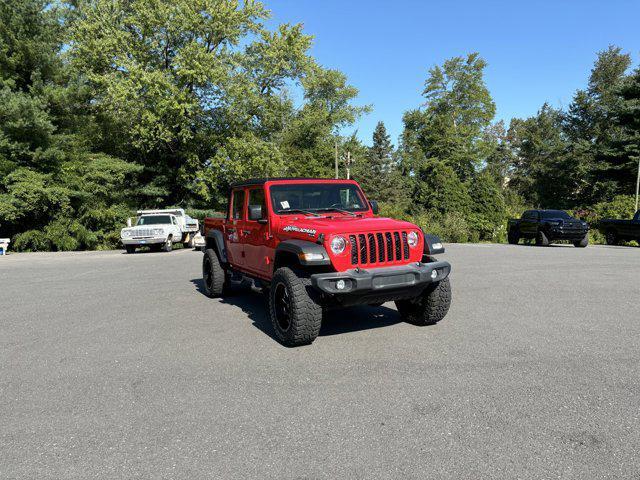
548 226
616 231
159 229
313 244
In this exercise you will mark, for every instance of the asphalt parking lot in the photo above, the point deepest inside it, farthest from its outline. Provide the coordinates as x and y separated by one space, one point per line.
117 366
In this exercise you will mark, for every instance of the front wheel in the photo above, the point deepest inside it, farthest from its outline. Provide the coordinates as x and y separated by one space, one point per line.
295 316
430 307
130 248
541 239
611 238
582 243
513 238
168 245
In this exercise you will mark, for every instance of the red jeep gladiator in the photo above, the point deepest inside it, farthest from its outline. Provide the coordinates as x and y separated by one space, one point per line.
315 244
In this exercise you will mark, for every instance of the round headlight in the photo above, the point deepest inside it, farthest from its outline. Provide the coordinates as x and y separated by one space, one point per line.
412 239
338 244
158 231
125 233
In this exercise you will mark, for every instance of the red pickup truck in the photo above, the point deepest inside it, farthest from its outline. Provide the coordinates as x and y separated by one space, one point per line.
313 244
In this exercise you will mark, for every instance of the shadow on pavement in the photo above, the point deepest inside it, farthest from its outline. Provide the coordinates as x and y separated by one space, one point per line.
334 322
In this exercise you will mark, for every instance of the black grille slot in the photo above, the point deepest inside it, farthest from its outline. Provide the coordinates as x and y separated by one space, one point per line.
389 247
372 247
381 248
396 241
405 246
354 249
363 248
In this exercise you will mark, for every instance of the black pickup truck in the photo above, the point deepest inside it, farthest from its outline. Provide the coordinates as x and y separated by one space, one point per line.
616 231
547 226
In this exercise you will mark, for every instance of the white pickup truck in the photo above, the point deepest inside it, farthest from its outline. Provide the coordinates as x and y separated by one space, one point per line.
160 229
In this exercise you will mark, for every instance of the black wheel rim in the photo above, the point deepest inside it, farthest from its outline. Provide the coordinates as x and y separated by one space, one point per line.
282 306
208 277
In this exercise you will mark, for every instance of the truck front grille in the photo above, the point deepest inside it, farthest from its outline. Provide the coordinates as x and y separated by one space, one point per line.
142 232
378 248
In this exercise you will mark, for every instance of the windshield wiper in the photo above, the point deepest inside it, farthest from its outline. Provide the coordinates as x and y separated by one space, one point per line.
328 209
299 210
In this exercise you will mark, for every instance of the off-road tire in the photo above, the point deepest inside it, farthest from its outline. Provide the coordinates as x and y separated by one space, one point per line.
611 238
513 238
301 324
168 245
130 248
582 243
541 239
213 275
430 307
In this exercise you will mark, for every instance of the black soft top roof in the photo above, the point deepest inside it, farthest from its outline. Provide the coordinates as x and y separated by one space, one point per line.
262 181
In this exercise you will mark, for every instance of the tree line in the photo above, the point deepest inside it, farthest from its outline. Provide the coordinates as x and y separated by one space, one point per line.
111 105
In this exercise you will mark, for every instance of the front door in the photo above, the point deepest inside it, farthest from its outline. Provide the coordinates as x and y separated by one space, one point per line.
234 228
257 253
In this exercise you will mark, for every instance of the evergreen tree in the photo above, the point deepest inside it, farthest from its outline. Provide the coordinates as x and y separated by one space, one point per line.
378 171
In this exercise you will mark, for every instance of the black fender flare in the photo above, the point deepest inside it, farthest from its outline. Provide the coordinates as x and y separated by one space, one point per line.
432 244
300 248
218 240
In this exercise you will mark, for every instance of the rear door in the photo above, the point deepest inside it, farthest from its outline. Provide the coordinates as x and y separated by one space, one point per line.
255 236
234 227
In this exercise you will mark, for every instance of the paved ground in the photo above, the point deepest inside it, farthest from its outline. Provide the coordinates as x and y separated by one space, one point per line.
117 366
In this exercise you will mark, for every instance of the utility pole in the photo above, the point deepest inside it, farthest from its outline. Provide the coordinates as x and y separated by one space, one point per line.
336 158
638 183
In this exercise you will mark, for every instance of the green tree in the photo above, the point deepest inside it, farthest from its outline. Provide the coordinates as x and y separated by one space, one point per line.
457 111
378 171
542 169
593 132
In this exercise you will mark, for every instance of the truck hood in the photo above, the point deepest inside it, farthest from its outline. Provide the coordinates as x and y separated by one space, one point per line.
340 223
145 227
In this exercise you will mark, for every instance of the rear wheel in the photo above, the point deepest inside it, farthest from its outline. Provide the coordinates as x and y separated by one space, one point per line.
188 241
611 238
295 316
541 239
130 248
213 274
582 243
430 307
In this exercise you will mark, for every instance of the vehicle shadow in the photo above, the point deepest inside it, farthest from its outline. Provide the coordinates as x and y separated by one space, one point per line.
334 322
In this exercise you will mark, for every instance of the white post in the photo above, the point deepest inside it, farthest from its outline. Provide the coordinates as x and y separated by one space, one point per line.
638 183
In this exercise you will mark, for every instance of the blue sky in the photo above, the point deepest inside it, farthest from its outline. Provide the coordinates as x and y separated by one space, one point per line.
536 51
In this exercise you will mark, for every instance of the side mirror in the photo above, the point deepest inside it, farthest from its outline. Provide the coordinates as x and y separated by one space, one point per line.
374 206
255 214
129 222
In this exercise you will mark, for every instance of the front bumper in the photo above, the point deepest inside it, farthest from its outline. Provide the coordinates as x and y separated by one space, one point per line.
563 233
143 241
377 284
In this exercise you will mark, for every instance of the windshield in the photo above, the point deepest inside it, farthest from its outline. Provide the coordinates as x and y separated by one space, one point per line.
315 197
154 220
547 214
